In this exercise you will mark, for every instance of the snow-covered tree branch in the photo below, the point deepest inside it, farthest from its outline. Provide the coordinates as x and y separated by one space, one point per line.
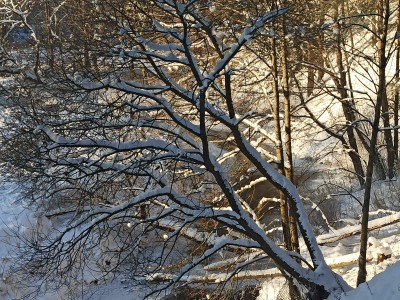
137 143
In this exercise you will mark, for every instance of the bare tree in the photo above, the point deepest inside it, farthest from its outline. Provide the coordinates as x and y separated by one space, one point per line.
381 109
129 157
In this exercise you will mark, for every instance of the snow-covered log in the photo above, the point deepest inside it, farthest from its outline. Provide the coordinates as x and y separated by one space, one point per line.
348 231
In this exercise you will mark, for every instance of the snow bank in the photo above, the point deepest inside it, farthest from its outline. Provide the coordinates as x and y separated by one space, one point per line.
385 286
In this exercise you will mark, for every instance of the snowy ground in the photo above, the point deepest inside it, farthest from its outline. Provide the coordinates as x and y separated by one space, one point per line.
11 214
385 286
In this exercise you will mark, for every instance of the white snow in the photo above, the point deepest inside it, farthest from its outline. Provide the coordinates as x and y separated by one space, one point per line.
384 286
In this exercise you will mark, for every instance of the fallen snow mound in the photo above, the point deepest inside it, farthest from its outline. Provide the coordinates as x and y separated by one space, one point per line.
384 286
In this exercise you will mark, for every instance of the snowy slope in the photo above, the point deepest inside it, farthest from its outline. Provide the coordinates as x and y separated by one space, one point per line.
384 286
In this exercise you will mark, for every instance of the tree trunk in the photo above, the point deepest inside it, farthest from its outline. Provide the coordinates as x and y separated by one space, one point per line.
385 105
362 272
293 233
387 133
310 70
85 27
288 146
348 109
279 146
50 39
378 161
396 94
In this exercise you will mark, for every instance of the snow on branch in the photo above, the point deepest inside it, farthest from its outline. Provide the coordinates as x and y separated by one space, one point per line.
183 272
156 144
248 34
171 126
